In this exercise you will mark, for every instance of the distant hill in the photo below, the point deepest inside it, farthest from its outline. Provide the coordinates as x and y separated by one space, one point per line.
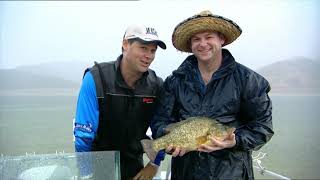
55 78
70 70
297 75
16 82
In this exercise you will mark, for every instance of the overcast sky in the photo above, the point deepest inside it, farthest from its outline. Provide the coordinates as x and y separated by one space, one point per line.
34 32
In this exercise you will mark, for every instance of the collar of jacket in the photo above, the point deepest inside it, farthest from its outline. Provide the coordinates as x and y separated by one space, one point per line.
189 66
119 78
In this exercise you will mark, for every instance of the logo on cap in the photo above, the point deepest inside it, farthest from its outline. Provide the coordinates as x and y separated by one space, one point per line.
151 31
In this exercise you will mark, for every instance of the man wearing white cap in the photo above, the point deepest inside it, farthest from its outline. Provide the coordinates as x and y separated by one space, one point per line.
116 103
211 83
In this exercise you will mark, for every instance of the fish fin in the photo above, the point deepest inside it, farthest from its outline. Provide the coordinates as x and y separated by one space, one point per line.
169 128
201 140
147 145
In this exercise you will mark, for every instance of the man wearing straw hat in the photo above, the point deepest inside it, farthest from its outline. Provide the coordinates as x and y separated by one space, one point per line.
211 83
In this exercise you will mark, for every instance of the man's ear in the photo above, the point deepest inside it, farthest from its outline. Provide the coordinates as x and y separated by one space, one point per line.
125 44
222 39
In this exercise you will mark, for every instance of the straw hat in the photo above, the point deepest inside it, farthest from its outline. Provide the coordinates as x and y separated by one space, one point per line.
201 22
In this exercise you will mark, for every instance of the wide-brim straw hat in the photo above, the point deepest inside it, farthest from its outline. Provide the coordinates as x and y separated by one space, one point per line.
204 21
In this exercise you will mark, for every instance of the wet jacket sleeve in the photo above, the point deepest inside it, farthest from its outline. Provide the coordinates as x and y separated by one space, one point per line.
87 114
163 111
256 112
161 154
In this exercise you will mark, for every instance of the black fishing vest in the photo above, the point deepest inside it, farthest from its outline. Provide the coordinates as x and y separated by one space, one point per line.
125 113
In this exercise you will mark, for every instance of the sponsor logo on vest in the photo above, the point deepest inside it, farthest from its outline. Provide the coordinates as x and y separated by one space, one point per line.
147 100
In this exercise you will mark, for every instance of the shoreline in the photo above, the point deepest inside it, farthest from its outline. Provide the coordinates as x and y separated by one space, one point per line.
41 92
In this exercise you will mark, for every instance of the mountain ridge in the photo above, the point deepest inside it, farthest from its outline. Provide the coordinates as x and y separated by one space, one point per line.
297 75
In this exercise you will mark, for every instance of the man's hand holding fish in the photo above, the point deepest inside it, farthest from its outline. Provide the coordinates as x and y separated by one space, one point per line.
215 144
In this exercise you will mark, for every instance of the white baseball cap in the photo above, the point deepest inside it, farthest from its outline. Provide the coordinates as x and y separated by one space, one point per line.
145 34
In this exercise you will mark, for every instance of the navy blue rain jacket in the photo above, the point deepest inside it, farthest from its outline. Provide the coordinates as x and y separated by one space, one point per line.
235 96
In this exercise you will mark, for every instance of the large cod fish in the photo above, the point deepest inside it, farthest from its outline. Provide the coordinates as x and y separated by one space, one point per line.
189 134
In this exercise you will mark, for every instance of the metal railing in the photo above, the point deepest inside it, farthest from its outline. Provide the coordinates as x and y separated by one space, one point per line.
262 170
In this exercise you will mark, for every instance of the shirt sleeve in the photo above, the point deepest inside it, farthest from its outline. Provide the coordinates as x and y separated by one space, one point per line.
87 114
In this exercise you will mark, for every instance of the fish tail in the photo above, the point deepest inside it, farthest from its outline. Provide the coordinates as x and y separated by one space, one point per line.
147 145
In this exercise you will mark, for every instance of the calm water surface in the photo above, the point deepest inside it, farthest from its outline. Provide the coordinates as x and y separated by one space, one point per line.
44 125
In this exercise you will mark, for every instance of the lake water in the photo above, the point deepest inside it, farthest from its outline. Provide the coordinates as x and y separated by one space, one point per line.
43 125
